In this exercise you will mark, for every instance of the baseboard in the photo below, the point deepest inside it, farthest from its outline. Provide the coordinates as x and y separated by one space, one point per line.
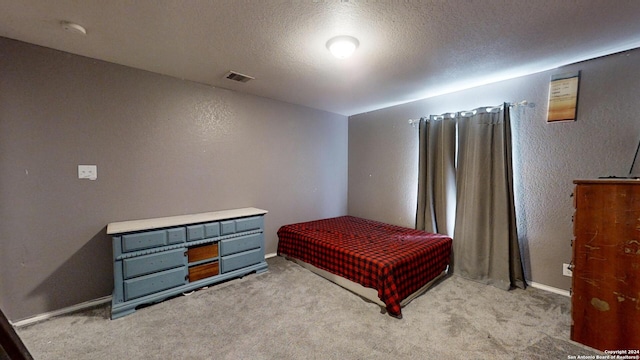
549 289
268 256
63 311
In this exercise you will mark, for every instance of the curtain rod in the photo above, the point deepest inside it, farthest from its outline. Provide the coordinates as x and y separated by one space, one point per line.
414 122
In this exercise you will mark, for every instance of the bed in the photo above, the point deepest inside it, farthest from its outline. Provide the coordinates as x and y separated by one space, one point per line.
387 264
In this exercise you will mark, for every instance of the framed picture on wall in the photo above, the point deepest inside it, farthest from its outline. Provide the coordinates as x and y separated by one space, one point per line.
563 97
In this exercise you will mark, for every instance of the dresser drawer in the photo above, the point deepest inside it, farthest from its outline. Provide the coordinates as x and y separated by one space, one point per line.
251 223
148 264
149 284
240 260
144 240
195 232
176 236
212 230
199 272
227 227
242 243
203 252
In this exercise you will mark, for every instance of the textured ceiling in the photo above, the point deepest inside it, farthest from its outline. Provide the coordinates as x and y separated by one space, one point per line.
408 49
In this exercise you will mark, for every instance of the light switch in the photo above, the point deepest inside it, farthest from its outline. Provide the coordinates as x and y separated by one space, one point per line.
87 172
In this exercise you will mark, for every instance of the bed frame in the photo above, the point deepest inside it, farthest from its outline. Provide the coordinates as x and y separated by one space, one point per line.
364 292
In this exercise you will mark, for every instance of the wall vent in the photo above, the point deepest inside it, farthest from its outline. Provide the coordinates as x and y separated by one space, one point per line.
236 76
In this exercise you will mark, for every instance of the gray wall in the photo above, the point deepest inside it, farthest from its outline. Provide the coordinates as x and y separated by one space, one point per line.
162 146
547 156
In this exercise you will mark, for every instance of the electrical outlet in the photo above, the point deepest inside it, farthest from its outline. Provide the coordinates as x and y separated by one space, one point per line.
566 270
87 172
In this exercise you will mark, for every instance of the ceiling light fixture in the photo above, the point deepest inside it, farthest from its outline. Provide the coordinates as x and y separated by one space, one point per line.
342 46
73 27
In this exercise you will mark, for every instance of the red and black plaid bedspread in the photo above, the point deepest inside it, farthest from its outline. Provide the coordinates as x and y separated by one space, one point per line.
394 260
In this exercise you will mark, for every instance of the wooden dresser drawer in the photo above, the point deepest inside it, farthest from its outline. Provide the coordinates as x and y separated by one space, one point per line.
195 232
176 236
241 225
211 230
240 260
227 227
202 252
151 239
149 284
250 223
239 244
147 264
144 240
203 271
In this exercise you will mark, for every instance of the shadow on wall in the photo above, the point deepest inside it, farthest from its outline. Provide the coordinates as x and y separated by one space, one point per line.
523 240
519 189
526 256
87 275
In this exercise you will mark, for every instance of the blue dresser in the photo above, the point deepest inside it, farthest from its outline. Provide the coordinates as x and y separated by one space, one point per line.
154 259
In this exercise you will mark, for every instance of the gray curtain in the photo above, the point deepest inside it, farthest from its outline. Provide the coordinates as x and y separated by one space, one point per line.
437 174
485 241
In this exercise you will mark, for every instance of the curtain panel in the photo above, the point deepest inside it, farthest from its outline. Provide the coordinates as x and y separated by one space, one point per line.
437 171
466 169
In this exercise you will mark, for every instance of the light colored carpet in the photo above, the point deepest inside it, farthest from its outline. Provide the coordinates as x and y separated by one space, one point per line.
291 313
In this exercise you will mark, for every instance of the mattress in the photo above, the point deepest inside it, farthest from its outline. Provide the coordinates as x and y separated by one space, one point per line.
393 260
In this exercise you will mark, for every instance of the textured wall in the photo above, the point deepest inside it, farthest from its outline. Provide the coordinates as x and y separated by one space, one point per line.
547 156
162 146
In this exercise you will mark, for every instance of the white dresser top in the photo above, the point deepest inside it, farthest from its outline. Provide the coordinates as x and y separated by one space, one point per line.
146 224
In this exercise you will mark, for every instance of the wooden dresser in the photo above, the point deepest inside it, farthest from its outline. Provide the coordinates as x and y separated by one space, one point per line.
158 258
605 296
